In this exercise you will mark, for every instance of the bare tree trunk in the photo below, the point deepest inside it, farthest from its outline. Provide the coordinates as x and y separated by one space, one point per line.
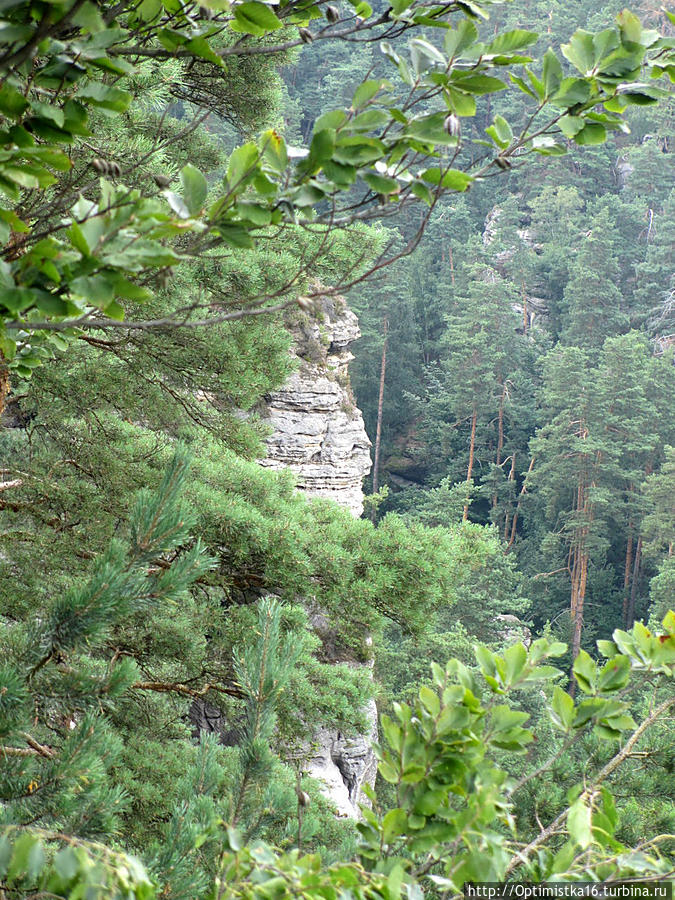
380 404
4 382
500 439
512 477
469 470
636 580
626 577
523 491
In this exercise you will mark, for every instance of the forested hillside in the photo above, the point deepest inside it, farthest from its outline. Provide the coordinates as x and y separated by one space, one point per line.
188 192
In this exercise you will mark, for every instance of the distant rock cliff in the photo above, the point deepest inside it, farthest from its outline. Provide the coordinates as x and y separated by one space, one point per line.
318 431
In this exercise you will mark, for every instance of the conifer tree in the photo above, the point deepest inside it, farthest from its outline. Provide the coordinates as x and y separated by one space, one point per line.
594 304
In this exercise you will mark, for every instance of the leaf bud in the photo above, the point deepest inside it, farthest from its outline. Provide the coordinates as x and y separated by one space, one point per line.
332 14
305 304
306 35
503 162
452 125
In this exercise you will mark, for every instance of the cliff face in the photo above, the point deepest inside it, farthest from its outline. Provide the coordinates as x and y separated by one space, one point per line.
318 430
318 433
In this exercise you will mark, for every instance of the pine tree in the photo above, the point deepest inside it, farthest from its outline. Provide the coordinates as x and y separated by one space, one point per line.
594 304
57 746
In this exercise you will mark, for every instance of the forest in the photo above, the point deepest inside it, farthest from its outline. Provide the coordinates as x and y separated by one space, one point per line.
295 607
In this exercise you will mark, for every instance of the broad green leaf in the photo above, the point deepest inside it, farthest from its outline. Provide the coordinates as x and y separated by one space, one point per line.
381 184
104 96
242 164
551 73
478 84
12 103
586 672
562 709
459 39
591 134
253 17
366 91
517 39
571 92
580 51
195 188
614 674
579 822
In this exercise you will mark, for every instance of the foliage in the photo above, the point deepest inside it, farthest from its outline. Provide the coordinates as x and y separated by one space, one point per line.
77 250
453 821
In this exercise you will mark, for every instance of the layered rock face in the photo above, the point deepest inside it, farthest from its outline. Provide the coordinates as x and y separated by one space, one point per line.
318 431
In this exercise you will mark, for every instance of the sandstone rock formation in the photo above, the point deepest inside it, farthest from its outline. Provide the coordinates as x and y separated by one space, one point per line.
318 431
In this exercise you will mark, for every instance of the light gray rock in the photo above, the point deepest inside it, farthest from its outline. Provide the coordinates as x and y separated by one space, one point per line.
319 434
317 429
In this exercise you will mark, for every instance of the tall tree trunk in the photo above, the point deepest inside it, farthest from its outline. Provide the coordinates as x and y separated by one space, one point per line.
636 581
626 577
4 382
469 470
522 493
380 404
512 477
500 438
579 575
452 267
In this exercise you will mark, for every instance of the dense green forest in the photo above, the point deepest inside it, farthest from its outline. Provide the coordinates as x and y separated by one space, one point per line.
186 187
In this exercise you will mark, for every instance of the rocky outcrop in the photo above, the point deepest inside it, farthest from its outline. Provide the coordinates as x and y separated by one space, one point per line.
318 432
317 429
345 763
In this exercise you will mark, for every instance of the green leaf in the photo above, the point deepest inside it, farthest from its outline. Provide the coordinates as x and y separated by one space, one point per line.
255 18
512 40
515 658
630 27
430 129
422 192
242 164
104 96
571 92
394 824
562 709
579 822
322 146
551 74
195 188
12 103
500 132
424 56
95 289
478 84
366 91
614 674
460 103
236 236
381 184
358 151
459 39
591 134
580 51
585 672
